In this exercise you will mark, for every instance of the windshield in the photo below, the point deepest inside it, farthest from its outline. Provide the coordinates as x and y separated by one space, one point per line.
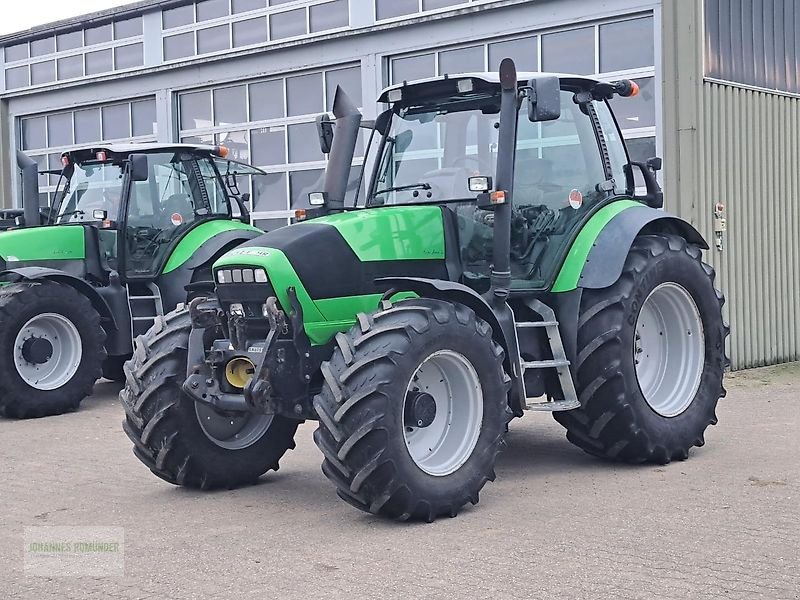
431 152
85 188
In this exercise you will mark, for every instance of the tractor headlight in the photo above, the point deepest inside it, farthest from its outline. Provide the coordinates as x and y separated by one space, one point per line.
254 275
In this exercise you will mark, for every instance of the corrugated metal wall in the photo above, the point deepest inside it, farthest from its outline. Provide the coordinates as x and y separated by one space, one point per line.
751 162
740 146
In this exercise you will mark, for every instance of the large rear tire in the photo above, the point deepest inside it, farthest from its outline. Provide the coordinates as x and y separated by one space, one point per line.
51 349
651 357
413 410
183 442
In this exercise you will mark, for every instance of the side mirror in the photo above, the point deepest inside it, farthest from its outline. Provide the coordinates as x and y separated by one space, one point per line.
325 133
140 170
544 99
246 199
655 196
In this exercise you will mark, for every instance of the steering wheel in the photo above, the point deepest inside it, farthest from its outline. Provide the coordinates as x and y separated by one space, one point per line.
150 242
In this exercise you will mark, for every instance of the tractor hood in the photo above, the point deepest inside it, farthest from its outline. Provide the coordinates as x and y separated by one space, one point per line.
333 262
42 244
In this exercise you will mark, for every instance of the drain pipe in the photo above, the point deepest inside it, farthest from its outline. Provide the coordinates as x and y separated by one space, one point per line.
340 159
30 189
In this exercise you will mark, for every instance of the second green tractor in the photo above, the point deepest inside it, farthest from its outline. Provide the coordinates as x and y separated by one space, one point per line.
501 262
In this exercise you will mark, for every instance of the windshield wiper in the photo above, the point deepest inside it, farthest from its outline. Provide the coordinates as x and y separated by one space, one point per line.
402 188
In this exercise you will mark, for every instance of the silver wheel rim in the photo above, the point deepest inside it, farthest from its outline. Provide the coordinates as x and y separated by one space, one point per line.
65 356
441 448
669 349
232 432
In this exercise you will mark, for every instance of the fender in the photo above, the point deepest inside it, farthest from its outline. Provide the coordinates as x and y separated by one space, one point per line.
596 260
455 292
173 283
56 276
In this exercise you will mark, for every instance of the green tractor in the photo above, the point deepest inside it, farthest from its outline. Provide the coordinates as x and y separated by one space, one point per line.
502 262
133 232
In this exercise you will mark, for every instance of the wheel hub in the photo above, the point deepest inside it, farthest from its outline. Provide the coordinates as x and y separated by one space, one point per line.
37 350
420 409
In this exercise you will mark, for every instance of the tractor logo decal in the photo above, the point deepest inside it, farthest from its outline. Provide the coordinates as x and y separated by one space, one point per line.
249 252
177 219
575 199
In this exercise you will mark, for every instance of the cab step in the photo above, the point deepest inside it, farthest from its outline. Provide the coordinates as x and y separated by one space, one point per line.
559 362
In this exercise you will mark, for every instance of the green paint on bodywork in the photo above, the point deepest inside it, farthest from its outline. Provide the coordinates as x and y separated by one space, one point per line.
391 233
198 236
61 242
322 318
570 273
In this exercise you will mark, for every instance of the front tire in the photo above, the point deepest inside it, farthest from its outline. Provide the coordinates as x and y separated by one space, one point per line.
164 424
413 410
51 349
651 357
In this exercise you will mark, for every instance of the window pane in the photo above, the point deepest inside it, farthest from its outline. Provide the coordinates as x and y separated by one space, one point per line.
279 2
627 45
69 67
127 28
175 17
250 31
266 100
525 53
269 192
236 142
69 41
569 51
116 122
129 57
641 149
464 60
287 24
301 143
98 62
240 6
211 9
386 9
18 52
414 67
59 130
349 79
330 15
199 140
268 146
42 47
144 117
213 39
195 110
304 94
17 77
639 111
87 126
43 72
98 35
54 164
302 183
34 133
179 46
230 105
434 4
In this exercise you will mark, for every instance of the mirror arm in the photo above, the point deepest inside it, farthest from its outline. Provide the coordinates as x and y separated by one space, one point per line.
655 195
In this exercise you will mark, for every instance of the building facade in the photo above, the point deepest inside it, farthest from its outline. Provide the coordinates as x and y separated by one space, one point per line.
254 74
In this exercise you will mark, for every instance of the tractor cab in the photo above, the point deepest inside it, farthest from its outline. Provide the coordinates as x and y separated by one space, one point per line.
141 200
442 146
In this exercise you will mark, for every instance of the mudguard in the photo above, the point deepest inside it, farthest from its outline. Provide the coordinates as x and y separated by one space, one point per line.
43 273
173 283
598 263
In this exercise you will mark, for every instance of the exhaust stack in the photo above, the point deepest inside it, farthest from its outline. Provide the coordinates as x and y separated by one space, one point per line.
340 160
30 189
